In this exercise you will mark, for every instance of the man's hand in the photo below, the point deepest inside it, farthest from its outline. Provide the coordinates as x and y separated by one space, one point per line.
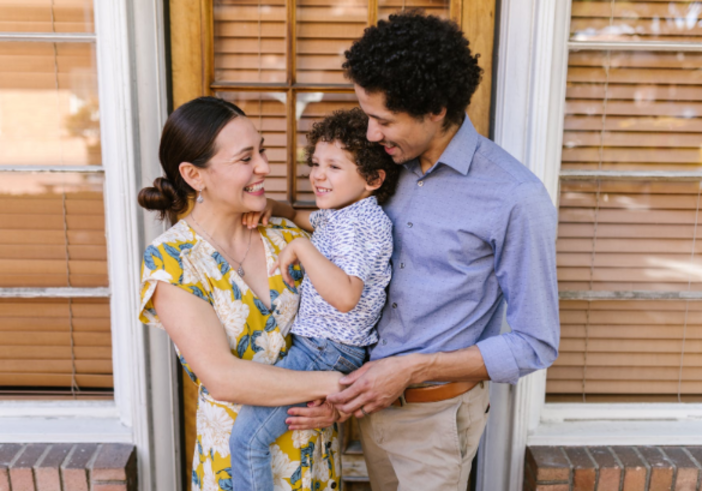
374 386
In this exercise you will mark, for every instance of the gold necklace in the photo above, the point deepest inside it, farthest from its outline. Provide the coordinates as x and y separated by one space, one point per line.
240 269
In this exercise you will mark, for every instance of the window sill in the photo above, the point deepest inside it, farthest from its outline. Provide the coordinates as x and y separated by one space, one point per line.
62 422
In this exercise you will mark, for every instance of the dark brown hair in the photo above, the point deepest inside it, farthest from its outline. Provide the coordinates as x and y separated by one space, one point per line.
349 128
188 136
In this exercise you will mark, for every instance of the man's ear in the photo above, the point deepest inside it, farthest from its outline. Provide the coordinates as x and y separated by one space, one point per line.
192 175
437 117
375 184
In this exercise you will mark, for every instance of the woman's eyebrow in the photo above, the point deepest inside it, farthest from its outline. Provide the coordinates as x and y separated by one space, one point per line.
248 149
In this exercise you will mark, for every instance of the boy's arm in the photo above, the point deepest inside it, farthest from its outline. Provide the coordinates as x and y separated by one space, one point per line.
338 289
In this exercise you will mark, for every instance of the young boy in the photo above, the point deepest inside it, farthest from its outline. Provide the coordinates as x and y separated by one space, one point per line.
347 267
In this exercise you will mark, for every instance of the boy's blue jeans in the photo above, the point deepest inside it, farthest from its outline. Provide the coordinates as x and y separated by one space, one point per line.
257 427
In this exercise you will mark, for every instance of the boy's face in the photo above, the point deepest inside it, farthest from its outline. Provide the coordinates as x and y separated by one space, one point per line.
403 136
335 180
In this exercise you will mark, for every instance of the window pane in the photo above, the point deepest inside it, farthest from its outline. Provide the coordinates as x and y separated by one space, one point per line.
52 231
633 111
55 342
324 31
250 41
46 16
629 235
628 351
48 104
440 8
313 107
267 112
624 20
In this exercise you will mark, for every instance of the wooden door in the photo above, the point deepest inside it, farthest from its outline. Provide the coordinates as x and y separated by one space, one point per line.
280 61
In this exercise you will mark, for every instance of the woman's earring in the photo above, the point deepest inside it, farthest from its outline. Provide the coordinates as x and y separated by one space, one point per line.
200 199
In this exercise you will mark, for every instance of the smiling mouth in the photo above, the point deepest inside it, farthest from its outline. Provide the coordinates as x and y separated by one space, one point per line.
254 187
322 190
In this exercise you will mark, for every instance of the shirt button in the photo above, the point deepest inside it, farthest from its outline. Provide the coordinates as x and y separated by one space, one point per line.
394 305
384 342
402 265
420 183
409 224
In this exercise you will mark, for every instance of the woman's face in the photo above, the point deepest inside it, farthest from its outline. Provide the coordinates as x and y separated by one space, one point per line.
235 174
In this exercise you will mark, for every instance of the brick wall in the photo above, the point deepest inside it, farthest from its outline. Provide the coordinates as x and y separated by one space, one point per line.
613 469
68 467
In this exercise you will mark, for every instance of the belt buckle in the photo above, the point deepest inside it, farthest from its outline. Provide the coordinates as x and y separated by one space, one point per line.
403 401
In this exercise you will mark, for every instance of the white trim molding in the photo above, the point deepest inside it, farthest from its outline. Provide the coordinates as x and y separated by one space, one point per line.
530 94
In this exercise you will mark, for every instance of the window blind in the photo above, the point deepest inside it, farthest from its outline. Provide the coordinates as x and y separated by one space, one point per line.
440 8
46 16
52 231
55 343
652 20
630 111
325 29
249 37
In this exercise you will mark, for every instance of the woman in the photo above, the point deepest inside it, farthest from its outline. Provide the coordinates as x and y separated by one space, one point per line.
206 282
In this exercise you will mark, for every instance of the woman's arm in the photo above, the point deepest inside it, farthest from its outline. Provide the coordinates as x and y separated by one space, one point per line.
194 327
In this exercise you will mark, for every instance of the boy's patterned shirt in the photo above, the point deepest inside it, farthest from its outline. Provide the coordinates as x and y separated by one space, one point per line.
357 239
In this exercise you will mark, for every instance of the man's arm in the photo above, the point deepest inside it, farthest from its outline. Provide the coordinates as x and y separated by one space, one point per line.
379 383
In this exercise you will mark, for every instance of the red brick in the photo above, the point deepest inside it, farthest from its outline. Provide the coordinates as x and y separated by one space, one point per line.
688 472
635 469
74 472
549 464
610 472
47 471
112 462
21 470
529 476
553 487
662 470
584 473
8 452
109 487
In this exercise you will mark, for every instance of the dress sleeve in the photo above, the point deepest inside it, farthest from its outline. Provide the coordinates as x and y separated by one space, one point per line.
164 262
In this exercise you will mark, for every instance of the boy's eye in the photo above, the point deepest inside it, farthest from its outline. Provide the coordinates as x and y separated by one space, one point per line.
263 150
314 164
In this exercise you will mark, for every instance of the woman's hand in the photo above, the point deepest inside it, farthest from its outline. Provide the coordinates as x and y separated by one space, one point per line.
253 218
288 256
317 414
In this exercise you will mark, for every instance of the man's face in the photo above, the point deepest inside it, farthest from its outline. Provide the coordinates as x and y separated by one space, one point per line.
403 136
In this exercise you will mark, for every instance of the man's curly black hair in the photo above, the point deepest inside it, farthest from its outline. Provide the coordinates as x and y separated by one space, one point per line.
348 127
420 62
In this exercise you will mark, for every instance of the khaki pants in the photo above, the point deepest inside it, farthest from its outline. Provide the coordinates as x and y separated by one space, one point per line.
425 446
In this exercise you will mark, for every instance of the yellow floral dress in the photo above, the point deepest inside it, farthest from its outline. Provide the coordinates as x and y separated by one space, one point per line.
302 460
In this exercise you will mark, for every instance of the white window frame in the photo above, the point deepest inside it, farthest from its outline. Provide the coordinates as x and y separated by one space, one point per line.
129 39
533 49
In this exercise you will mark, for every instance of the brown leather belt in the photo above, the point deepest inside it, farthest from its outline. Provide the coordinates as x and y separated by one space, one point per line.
435 393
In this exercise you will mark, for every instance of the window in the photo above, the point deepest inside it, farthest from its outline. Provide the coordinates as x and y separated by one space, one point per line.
629 266
55 339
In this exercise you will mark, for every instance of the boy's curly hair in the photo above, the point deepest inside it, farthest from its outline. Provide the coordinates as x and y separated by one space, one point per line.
349 128
420 62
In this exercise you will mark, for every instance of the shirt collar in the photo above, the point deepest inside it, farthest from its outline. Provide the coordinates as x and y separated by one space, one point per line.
355 209
459 153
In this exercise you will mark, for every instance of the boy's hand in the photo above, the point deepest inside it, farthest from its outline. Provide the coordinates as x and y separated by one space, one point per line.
251 219
287 257
318 414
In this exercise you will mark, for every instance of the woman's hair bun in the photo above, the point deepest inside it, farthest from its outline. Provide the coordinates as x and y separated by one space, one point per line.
162 196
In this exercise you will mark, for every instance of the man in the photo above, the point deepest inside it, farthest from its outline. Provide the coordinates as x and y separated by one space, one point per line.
473 229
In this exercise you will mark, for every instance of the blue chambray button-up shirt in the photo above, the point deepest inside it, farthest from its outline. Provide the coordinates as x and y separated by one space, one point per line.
478 230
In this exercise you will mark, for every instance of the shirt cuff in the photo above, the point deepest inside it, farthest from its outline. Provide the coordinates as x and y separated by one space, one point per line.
499 360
